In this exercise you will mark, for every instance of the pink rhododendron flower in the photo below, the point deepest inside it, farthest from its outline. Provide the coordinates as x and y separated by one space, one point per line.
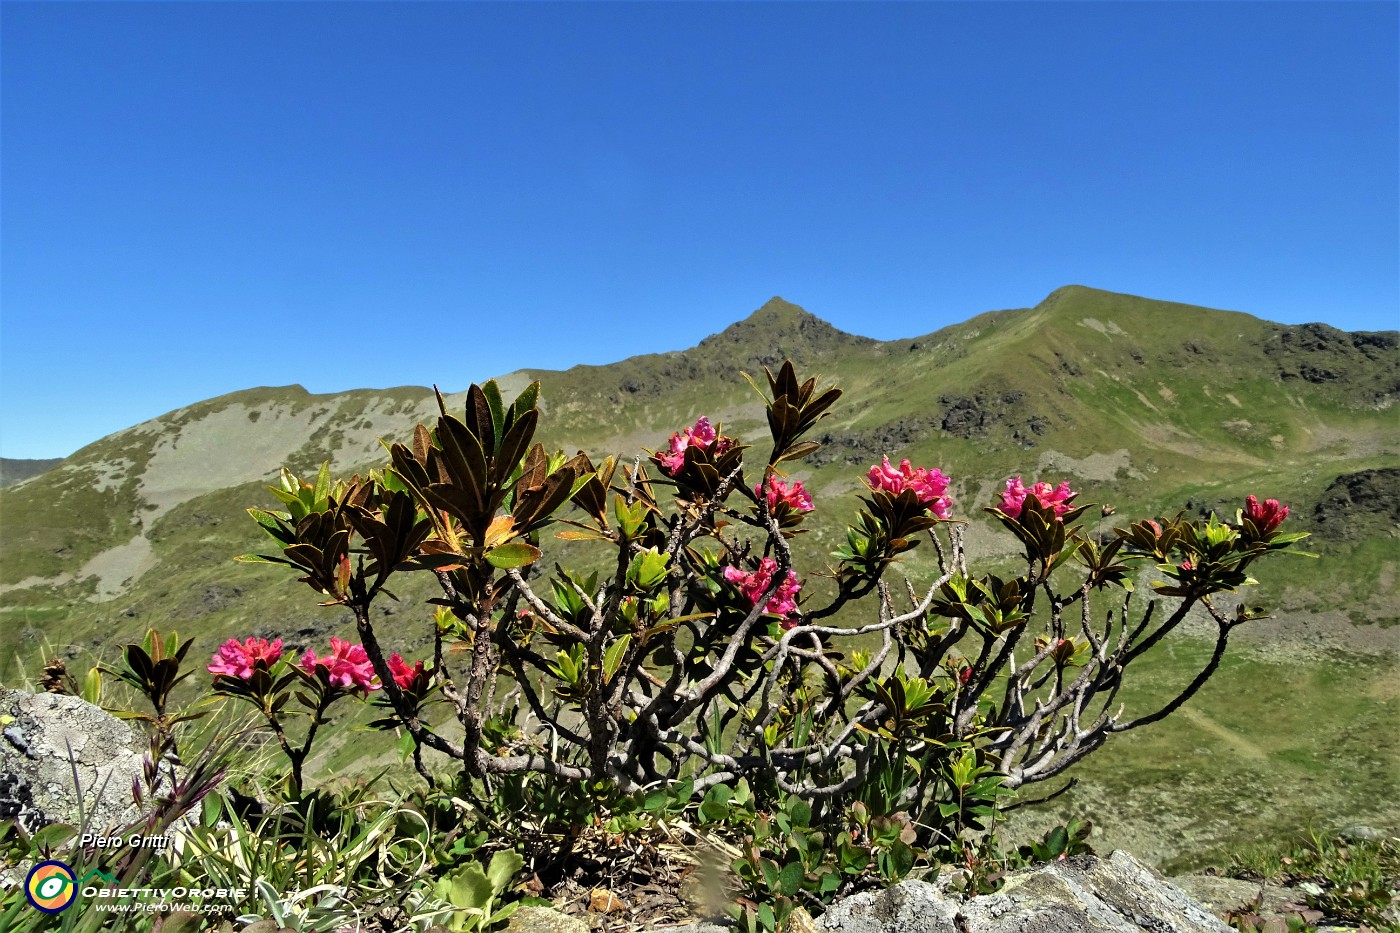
702 435
404 675
1014 498
931 486
1266 517
347 665
235 659
671 463
752 585
796 498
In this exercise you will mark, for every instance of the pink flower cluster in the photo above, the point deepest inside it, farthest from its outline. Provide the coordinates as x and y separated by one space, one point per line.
1266 517
347 665
1014 498
796 498
703 435
404 675
236 659
753 585
931 486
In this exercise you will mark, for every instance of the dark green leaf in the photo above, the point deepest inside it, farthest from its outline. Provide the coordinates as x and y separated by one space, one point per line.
790 879
498 413
798 451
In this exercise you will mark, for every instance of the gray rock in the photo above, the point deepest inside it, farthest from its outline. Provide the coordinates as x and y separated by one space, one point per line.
908 907
1361 833
46 740
1221 894
544 920
1083 894
1218 894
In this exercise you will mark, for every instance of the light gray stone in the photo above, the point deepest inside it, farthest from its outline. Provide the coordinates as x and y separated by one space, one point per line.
49 741
908 907
1083 894
1362 833
532 919
1223 894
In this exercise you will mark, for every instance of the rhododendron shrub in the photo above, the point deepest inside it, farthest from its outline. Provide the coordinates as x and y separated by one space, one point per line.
705 653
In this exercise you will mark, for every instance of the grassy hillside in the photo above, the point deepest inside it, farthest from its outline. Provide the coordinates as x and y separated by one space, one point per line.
1150 406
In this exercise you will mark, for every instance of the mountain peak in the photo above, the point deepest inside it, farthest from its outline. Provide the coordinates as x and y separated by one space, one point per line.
778 311
778 303
779 330
1079 292
1083 298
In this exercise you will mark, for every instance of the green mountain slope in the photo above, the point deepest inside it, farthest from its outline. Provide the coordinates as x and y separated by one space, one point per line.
1148 405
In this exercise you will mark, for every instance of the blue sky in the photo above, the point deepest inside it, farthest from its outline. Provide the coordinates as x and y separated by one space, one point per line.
200 198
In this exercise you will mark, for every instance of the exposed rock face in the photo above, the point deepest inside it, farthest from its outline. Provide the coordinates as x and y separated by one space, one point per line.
1320 354
1084 894
37 770
986 413
1356 501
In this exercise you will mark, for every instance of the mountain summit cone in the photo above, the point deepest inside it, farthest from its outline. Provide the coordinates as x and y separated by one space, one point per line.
777 331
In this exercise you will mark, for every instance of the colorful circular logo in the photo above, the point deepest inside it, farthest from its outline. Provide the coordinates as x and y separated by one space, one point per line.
50 886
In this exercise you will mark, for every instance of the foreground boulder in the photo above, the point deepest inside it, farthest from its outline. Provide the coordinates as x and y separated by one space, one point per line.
1082 894
47 742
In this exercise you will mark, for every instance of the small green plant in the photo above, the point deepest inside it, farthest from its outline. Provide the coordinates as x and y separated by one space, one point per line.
475 893
1347 897
320 909
152 670
1341 880
785 863
1060 843
1246 919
